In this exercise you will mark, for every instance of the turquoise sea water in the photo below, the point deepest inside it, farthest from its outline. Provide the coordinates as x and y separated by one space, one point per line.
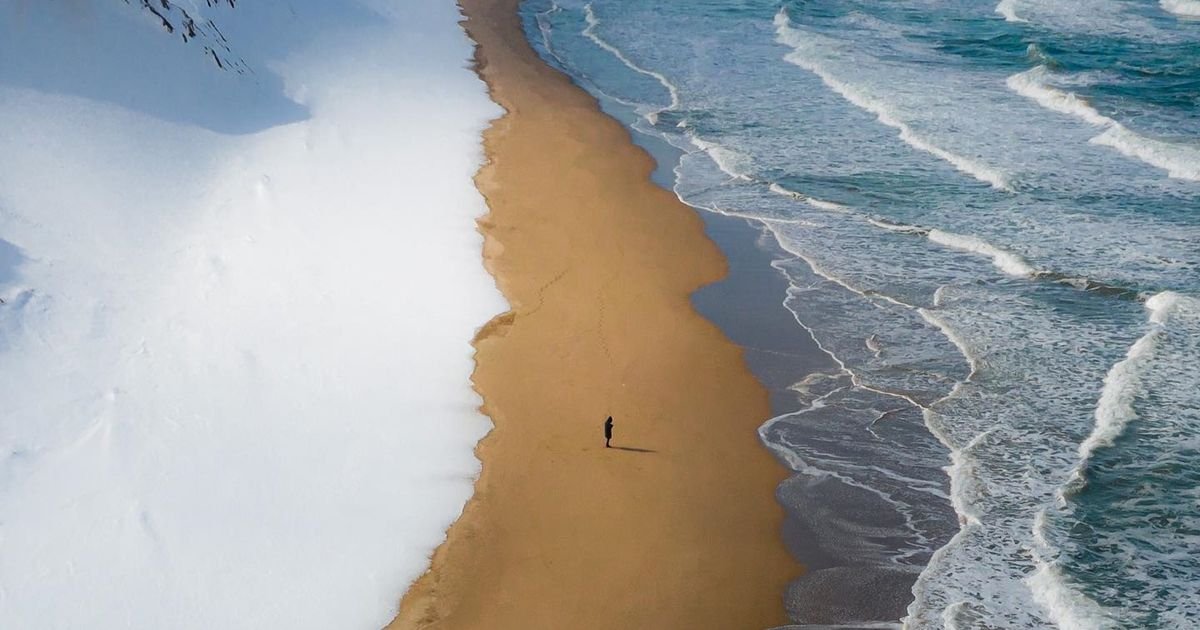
991 219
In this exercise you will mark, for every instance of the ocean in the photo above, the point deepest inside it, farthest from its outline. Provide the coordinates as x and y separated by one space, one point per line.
985 220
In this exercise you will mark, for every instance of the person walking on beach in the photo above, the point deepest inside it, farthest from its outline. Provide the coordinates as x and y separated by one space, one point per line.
607 432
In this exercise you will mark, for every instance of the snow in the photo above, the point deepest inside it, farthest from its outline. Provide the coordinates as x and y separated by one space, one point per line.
234 343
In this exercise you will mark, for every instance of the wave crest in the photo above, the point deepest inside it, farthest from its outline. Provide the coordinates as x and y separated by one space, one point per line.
1004 260
1008 9
1178 160
732 163
1182 8
805 54
1122 384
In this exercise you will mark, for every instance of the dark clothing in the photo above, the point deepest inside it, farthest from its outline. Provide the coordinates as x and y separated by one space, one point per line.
608 424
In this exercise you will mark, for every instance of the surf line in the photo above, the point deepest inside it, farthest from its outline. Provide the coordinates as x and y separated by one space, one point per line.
590 32
792 37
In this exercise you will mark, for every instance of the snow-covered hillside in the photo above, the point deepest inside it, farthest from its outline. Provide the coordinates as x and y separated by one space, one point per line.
237 306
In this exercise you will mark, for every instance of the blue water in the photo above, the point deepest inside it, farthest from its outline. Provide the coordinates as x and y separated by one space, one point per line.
992 223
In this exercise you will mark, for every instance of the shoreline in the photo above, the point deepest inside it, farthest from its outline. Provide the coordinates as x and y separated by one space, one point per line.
680 529
747 305
834 589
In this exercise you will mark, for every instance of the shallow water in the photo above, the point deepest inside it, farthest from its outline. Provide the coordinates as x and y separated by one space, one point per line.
986 216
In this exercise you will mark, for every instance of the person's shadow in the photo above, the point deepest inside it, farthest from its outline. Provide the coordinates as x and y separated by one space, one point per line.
633 450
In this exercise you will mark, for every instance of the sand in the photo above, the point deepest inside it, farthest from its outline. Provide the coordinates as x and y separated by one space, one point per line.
678 526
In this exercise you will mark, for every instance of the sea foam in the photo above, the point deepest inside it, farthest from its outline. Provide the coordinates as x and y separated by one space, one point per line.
1122 384
1010 263
806 53
1182 8
590 32
1008 9
1062 600
1179 160
736 165
1006 261
819 204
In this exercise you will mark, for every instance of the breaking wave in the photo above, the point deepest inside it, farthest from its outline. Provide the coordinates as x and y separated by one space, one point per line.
805 54
1179 160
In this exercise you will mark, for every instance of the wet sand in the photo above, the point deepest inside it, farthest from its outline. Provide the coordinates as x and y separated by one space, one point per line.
825 518
678 526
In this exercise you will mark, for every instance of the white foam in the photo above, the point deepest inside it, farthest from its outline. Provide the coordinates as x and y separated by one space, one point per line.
963 490
238 395
816 268
1182 8
789 453
1163 305
812 201
1181 161
954 338
826 205
1032 84
543 24
590 32
1064 604
1008 9
780 190
1114 410
897 227
1006 261
1123 383
805 54
964 482
732 163
545 29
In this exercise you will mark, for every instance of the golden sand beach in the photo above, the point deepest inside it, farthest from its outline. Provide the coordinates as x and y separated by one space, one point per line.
678 526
